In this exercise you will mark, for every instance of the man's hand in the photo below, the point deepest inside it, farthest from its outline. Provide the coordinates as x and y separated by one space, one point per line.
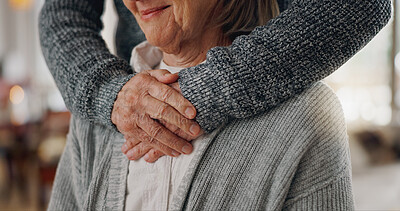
135 149
143 104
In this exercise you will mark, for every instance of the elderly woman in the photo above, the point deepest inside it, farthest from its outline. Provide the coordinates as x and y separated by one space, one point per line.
293 157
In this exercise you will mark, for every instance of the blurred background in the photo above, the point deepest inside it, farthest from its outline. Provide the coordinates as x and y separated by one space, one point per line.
34 119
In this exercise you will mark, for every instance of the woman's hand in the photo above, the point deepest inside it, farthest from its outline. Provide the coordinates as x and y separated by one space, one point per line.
145 99
135 150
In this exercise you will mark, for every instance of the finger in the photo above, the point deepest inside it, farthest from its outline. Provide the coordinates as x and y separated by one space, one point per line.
178 131
138 151
162 111
129 144
176 87
172 97
152 156
151 141
164 136
163 76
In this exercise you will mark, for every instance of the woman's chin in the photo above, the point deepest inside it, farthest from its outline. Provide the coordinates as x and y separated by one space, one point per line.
165 45
154 42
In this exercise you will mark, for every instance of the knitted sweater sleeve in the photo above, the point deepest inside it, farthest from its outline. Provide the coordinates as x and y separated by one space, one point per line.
302 45
88 76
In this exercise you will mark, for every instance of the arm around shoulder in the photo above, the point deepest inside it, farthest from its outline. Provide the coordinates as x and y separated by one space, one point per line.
304 44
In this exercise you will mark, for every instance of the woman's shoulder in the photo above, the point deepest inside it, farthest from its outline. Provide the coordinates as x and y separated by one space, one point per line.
309 130
321 107
325 164
314 109
318 97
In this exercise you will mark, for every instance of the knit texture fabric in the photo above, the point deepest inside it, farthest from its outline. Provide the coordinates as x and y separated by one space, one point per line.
307 42
295 157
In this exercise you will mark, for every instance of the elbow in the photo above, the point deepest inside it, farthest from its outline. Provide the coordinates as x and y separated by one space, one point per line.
44 15
43 22
366 18
381 12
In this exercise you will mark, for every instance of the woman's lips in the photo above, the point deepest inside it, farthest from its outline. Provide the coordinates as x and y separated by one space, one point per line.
149 13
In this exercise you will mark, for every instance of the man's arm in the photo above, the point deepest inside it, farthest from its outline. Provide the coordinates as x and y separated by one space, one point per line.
304 44
88 76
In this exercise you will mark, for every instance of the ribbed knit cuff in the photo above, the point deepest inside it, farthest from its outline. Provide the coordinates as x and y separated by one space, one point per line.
203 89
105 98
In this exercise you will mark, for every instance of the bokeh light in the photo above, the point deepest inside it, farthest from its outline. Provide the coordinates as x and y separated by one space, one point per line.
16 95
20 4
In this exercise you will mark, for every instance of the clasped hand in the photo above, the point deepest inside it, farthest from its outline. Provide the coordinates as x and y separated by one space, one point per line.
154 117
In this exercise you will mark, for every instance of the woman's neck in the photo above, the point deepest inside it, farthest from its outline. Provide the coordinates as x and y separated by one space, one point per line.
193 52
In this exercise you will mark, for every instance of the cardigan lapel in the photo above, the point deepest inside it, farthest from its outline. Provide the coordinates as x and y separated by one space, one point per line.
179 198
117 177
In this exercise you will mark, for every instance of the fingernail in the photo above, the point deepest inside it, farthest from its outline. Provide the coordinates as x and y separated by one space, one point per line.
146 157
186 149
194 129
189 112
175 154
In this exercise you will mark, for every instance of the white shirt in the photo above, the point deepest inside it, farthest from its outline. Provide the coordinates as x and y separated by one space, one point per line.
151 186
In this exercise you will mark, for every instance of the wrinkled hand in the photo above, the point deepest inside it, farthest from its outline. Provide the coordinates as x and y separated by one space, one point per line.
134 150
143 106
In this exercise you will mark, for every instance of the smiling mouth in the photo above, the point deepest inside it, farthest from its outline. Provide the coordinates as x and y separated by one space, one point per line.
149 13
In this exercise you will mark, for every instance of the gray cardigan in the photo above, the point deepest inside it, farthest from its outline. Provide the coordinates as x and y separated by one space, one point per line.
307 42
295 157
